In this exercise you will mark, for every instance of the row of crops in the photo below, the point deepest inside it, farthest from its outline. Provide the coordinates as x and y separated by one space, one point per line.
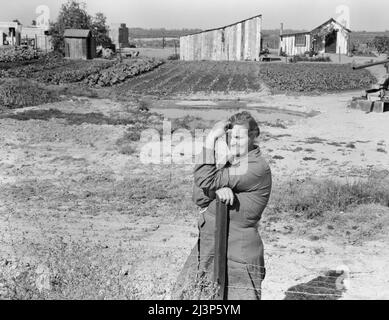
17 54
201 76
180 77
309 77
24 83
98 73
147 76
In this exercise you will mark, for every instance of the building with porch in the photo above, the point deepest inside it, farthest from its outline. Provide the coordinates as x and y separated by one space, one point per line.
329 37
10 33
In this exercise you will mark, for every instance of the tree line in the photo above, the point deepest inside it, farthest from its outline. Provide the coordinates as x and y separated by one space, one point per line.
138 33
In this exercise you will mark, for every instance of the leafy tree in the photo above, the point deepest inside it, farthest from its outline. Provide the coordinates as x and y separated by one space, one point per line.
100 29
73 15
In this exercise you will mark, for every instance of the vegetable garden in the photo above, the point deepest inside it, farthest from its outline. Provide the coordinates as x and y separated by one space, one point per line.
150 76
178 77
52 69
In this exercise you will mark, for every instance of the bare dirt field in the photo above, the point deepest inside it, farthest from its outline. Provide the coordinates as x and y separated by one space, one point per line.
82 217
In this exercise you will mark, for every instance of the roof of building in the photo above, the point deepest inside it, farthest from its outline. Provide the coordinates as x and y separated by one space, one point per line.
332 20
76 33
322 25
230 25
295 33
7 24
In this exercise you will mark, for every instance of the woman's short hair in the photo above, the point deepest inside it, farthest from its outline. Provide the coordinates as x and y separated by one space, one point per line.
245 119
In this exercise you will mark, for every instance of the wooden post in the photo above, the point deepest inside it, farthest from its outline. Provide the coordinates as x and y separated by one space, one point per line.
36 42
220 262
340 58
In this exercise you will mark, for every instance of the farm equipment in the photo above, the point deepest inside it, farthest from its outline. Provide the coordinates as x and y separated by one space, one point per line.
377 104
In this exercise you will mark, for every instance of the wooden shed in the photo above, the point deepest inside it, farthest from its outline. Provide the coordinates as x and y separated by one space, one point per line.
79 44
237 41
329 37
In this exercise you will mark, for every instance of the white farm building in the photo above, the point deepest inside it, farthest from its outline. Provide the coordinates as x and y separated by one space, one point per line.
329 37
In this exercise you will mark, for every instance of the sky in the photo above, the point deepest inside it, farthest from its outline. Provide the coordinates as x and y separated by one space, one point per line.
371 15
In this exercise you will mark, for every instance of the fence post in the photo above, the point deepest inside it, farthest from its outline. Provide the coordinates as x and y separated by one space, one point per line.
340 58
220 261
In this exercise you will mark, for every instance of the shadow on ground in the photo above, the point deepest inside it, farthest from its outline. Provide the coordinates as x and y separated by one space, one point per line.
327 287
71 117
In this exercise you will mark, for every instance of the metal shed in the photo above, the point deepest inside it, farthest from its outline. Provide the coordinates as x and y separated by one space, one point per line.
79 44
237 41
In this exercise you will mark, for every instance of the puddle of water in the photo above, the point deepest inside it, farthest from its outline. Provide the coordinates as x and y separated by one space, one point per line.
214 111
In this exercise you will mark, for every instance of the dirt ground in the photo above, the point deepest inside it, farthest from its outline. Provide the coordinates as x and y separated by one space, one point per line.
72 182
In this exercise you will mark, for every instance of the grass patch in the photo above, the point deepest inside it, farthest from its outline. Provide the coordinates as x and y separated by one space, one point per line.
313 198
73 118
191 123
278 124
361 223
68 271
19 93
282 135
127 149
313 140
335 144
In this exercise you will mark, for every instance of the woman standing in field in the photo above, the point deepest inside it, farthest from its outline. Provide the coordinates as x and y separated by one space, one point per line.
244 184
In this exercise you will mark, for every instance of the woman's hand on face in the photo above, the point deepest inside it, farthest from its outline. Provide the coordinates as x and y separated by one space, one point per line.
219 129
226 195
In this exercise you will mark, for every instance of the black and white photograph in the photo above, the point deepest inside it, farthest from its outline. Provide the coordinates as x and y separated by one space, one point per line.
181 150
